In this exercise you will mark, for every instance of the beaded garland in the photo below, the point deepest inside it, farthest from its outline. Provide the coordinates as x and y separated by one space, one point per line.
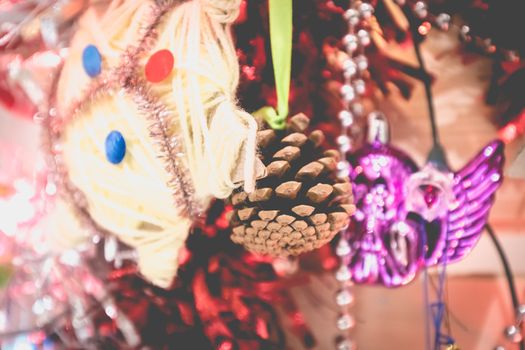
354 86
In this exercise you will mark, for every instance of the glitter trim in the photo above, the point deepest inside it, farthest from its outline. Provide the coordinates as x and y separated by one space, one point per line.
172 151
50 142
158 117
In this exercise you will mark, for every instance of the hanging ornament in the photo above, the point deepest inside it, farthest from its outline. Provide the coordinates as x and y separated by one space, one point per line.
300 205
354 86
406 218
139 127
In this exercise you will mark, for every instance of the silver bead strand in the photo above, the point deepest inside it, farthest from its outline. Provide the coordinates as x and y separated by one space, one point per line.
354 86
514 332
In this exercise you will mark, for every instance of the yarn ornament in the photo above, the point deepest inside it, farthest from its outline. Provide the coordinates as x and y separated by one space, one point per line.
182 139
301 204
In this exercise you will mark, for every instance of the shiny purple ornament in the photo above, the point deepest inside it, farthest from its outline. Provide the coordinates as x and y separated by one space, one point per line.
407 218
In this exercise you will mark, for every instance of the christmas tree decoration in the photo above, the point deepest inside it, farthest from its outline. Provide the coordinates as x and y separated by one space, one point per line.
401 210
168 138
194 149
355 76
300 205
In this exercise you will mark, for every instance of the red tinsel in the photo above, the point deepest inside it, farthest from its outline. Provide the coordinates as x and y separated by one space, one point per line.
223 298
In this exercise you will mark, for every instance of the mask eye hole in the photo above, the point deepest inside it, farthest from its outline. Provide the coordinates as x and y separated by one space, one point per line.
379 182
360 179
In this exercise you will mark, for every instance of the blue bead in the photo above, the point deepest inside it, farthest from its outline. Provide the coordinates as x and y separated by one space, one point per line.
115 147
92 61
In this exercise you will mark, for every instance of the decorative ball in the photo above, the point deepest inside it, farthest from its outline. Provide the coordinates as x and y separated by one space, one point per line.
443 21
366 10
513 334
360 86
350 68
362 62
343 248
285 267
92 61
351 42
420 9
345 322
344 298
364 37
345 344
347 119
521 312
344 114
343 274
464 33
115 147
343 140
347 93
352 16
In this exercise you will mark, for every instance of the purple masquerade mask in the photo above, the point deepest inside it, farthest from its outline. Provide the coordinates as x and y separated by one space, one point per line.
407 218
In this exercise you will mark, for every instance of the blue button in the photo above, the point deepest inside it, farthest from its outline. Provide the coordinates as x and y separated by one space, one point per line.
115 147
92 61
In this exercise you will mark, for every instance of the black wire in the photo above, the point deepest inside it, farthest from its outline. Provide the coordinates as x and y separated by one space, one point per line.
508 273
428 90
437 154
506 265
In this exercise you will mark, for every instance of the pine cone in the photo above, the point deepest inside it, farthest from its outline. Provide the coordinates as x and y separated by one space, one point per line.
301 204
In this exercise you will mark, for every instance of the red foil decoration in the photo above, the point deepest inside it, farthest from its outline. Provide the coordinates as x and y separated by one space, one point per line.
223 298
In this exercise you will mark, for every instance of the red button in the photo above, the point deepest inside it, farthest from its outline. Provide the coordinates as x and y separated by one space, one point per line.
159 66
